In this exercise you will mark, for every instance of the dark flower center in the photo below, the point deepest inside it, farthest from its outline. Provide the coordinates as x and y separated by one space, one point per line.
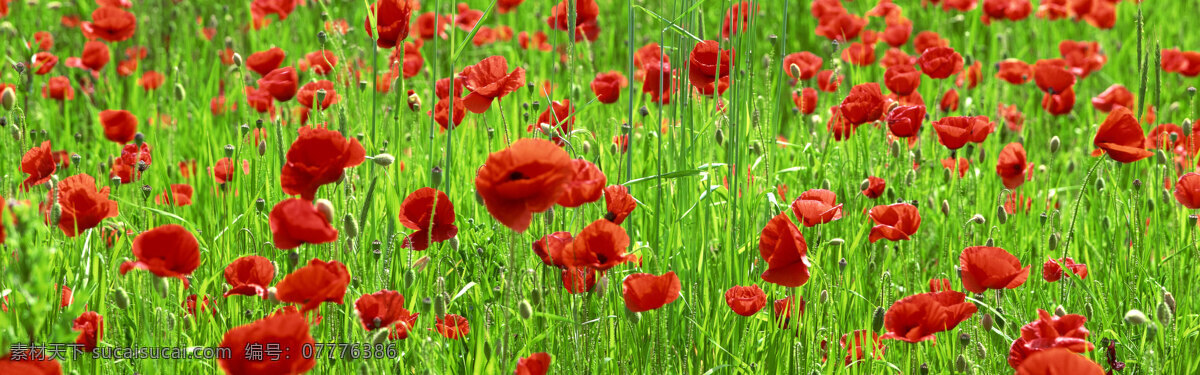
516 175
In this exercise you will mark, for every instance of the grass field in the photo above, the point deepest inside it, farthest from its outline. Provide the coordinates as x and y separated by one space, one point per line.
227 157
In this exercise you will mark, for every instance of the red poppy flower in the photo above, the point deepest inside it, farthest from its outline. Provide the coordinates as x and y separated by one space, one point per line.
986 268
260 100
859 53
940 62
857 350
600 245
607 86
970 76
745 300
452 326
783 248
709 67
1012 167
875 187
895 222
645 292
1049 332
534 364
322 62
1082 58
840 26
1059 104
737 18
827 81
489 80
1051 75
962 165
430 214
897 33
956 131
578 280
1115 95
918 317
817 206
250 275
1013 118
34 361
308 94
527 177
1014 71
286 330
91 329
44 40
1052 270
585 187
939 285
906 121
659 82
805 100
39 164
1012 10
806 65
119 125
178 195
263 62
44 62
391 20
382 309
110 23
619 203
295 222
317 282
430 25
550 248
949 102
166 251
318 157
132 164
58 88
1187 190
1120 136
864 104
151 80
95 55
83 207
1059 361
902 79
556 121
281 83
782 313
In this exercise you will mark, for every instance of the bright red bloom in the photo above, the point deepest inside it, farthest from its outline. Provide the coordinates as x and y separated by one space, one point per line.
585 187
295 222
321 62
895 222
58 88
817 206
119 125
260 100
490 80
44 40
223 170
782 314
166 251
527 177
645 292
430 214
939 285
659 81
36 362
1120 136
709 67
898 32
452 326
1082 58
151 80
949 102
281 83
864 104
1012 10
805 100
857 350
827 81
875 187
383 309
250 275
1115 95
391 20
902 79
534 364
95 55
786 253
586 13
1187 190
601 245
506 6
263 62
1049 332
1060 103
556 121
841 26
619 203
859 53
44 62
906 121
110 23
1014 71
745 300
918 317
317 282
551 248
91 329
986 268
308 94
39 164
1013 118
287 330
607 86
1052 76
430 25
1012 166
1059 361
963 165
737 18
1052 270
956 131
940 62
83 207
806 65
178 195
318 157
578 279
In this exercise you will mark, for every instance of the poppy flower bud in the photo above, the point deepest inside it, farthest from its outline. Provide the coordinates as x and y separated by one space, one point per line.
964 339
644 111
990 242
1187 126
262 148
987 322
8 98
320 96
720 137
321 36
350 226
180 93
161 285
910 177
632 316
1166 197
384 159
945 207
525 309
325 208
824 296
139 139
1135 317
978 219
1191 220
414 102
1169 300
877 319
836 242
1001 214
116 182
1053 245
1099 184
259 205
1071 166
146 191
1060 311
864 185
293 258
960 364
925 366
121 298
453 243
1055 144
842 265
229 151
587 147
439 306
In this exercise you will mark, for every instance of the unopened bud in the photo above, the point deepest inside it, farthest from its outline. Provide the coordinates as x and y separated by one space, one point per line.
414 102
229 149
321 39
525 309
262 148
1135 317
1001 214
350 226
1169 300
1055 144
139 138
8 98
1164 314
325 208
384 160
121 298
842 265
837 242
379 337
1087 310
1100 184
1053 242
864 185
439 306
978 219
960 364
895 149
964 339
877 319
260 205
435 176
237 59
720 137
990 242
945 207
987 322
160 284
1060 311
180 93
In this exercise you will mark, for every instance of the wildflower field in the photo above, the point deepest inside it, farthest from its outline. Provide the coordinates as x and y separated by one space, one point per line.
599 187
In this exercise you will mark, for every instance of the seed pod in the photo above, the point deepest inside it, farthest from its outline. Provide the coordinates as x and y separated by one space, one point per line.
350 226
325 208
824 296
146 191
121 298
978 219
1164 314
1055 144
384 159
960 364
964 339
877 319
525 309
987 322
260 205
1043 217
1001 214
229 149
842 265
924 369
1135 317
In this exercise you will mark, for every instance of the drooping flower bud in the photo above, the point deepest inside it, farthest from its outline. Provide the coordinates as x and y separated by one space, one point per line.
325 208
